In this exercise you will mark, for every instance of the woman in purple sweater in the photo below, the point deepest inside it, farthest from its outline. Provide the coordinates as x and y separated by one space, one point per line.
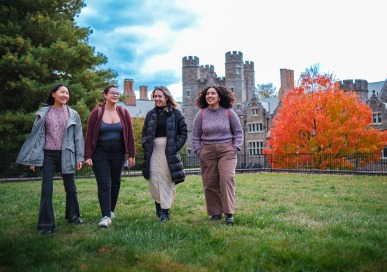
217 135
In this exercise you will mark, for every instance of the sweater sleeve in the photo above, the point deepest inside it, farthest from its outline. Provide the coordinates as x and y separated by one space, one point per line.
131 139
79 140
197 133
91 122
237 131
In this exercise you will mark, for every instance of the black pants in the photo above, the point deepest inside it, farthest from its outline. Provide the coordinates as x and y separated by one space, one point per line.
52 163
108 163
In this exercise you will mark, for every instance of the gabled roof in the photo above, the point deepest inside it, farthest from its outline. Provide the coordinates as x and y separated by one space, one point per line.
270 104
140 109
375 86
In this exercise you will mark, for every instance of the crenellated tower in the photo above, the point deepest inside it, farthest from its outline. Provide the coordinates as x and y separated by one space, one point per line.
359 86
249 79
234 74
190 75
239 78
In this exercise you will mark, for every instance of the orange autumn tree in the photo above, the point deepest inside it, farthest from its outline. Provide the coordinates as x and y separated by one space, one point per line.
328 124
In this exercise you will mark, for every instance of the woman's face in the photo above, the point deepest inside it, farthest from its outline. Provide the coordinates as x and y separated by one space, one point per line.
212 98
159 98
61 96
113 96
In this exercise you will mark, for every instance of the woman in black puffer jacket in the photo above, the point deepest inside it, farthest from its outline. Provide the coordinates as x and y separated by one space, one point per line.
163 135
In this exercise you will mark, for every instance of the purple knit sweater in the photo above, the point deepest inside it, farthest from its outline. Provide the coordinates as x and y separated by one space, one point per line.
215 127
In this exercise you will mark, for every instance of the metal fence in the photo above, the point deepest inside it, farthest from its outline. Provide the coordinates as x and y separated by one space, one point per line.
369 163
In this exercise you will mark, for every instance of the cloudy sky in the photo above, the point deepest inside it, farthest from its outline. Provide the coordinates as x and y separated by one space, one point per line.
145 40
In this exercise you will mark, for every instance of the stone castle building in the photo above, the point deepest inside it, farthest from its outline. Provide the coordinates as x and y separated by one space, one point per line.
240 79
255 114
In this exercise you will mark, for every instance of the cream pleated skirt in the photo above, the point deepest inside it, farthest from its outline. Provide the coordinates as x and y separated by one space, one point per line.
160 184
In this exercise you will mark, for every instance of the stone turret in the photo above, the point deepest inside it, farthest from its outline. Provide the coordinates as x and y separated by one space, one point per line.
249 78
359 86
235 75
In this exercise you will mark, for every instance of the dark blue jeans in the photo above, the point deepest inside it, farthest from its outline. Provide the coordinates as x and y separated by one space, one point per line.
52 163
108 163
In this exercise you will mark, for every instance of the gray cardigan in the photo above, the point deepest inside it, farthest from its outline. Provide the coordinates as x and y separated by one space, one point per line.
31 152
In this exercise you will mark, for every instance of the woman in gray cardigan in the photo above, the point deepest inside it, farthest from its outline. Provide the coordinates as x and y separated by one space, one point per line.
163 135
56 144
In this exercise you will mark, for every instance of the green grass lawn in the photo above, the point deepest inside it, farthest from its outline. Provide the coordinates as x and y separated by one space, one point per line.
283 222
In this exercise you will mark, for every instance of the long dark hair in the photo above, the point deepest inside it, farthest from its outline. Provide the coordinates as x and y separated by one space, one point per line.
227 97
50 100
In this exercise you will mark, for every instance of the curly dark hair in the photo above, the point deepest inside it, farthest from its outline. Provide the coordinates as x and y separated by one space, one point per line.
227 97
50 100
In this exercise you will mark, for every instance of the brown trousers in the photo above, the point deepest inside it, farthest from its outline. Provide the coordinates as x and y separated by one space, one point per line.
218 162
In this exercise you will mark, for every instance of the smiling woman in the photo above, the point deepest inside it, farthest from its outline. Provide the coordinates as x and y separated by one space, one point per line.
217 136
109 142
59 148
163 135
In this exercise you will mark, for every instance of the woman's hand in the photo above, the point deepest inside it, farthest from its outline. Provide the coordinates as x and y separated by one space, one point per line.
89 162
131 161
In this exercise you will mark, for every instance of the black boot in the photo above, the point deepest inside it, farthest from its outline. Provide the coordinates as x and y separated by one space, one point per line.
229 219
158 209
164 215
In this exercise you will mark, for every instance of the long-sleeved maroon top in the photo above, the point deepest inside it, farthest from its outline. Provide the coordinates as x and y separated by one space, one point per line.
93 128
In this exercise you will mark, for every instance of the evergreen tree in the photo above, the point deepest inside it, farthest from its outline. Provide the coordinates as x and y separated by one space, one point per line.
40 45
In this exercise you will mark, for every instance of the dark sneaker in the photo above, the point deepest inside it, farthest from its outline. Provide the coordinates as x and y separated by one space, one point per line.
215 217
76 220
164 218
164 215
46 231
229 219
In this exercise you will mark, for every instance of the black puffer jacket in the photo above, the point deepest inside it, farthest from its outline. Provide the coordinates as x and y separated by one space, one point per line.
176 138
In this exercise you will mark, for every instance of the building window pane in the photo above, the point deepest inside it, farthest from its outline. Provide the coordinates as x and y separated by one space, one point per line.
377 118
255 148
254 127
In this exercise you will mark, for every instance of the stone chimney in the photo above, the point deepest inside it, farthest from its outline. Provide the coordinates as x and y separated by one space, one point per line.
144 93
129 92
287 82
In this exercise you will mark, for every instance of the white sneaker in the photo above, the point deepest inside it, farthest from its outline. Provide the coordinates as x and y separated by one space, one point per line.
105 222
112 215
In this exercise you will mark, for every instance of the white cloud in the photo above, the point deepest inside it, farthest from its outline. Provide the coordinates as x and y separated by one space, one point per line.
345 37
